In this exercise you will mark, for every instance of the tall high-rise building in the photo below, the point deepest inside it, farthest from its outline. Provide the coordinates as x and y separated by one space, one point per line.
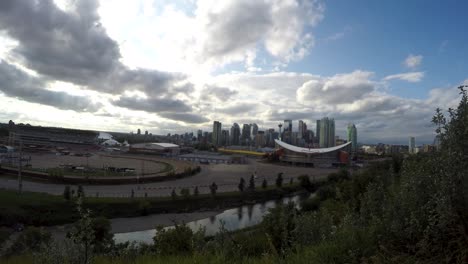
352 137
412 145
235 134
254 128
199 135
245 137
317 132
301 131
260 139
287 131
216 135
225 137
326 132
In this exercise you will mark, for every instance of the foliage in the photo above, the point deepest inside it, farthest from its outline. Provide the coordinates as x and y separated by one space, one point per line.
279 180
180 240
278 226
185 193
195 191
31 240
82 234
173 194
252 183
80 191
264 184
241 185
66 193
213 188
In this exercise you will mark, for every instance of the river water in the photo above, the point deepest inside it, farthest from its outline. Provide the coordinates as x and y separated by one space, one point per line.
233 219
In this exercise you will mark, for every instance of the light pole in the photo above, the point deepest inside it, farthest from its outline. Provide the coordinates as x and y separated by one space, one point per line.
20 178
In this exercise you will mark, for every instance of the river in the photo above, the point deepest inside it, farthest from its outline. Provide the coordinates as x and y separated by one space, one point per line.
233 219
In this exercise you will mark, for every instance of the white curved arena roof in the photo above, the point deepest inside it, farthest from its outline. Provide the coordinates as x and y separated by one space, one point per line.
309 150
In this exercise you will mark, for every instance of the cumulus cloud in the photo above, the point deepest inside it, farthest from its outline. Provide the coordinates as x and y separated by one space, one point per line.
413 61
409 77
339 89
218 93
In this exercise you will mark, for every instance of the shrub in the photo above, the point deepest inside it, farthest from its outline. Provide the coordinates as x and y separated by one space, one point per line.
252 183
180 240
173 194
305 183
213 188
32 239
185 192
66 193
143 207
195 191
241 185
279 180
264 184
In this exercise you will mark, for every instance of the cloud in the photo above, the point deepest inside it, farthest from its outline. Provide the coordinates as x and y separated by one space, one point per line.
218 93
17 83
409 77
339 89
413 61
152 105
185 117
240 108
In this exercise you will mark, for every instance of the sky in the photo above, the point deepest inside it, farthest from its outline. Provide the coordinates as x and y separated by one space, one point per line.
176 66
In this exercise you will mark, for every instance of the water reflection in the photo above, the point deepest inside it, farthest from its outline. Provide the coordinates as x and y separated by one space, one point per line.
236 218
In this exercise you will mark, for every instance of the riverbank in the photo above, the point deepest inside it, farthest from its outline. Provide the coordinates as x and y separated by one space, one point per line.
41 209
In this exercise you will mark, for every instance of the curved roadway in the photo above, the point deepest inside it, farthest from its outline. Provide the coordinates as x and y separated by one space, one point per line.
226 176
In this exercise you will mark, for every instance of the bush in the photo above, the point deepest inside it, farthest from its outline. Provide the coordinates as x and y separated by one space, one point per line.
264 184
143 207
173 194
241 185
195 191
252 183
213 188
180 240
185 192
279 180
311 204
32 239
66 193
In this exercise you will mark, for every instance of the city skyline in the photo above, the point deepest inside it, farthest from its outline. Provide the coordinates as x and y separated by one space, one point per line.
302 60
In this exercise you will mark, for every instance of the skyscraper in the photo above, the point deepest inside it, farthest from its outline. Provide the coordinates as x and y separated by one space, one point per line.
301 130
254 128
352 136
326 132
287 131
317 132
412 145
235 134
245 137
216 136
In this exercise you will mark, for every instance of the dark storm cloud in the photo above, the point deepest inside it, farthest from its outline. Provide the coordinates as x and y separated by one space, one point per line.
67 46
17 83
185 117
152 105
241 108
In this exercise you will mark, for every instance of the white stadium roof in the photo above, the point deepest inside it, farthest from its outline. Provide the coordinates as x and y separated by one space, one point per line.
309 150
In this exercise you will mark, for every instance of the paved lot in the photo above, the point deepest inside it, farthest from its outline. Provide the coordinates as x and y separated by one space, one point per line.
226 176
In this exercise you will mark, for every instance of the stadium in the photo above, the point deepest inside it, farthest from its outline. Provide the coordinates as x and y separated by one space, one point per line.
318 157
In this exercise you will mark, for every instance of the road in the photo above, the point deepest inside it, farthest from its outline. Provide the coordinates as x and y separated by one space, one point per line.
226 176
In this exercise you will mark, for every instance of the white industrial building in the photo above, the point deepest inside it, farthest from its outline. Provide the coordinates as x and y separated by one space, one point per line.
165 149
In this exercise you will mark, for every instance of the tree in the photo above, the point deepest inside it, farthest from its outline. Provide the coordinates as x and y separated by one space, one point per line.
264 184
180 240
252 183
32 239
291 181
305 183
103 238
80 191
195 191
213 188
82 233
185 192
132 194
173 194
241 185
279 180
66 193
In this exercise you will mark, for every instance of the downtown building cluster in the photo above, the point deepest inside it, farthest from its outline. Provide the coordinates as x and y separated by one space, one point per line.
249 135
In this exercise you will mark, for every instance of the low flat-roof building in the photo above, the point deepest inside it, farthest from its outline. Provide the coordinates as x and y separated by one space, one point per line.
318 157
165 149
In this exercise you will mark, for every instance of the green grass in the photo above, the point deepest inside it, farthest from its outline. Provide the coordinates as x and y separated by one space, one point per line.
45 209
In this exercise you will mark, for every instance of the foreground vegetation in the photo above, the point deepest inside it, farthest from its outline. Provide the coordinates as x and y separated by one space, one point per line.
404 210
